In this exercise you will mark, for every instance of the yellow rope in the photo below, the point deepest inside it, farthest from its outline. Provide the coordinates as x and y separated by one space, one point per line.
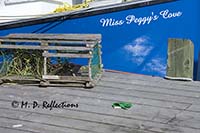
67 7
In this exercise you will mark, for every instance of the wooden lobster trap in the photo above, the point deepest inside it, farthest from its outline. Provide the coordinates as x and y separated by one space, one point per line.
51 59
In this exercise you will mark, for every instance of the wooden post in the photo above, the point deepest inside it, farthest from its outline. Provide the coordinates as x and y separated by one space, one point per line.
45 58
89 68
198 69
180 59
45 64
100 53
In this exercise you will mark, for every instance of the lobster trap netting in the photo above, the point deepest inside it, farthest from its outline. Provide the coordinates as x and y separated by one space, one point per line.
51 58
20 62
30 63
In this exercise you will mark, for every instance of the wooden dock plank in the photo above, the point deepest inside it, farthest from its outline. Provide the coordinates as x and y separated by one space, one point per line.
106 124
194 108
169 85
92 105
150 89
137 112
11 130
151 79
187 119
78 124
132 96
95 109
153 82
140 111
37 127
162 110
112 92
88 97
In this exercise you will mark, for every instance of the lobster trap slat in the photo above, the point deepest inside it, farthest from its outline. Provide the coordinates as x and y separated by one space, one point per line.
67 37
51 59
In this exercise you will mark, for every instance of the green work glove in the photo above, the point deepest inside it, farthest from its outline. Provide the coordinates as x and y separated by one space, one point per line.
123 105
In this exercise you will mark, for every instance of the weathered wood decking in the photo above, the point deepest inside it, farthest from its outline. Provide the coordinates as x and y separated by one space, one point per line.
159 106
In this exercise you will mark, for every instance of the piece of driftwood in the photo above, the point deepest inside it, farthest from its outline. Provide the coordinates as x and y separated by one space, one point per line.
63 46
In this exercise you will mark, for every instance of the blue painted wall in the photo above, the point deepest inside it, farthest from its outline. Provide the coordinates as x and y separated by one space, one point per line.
134 40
